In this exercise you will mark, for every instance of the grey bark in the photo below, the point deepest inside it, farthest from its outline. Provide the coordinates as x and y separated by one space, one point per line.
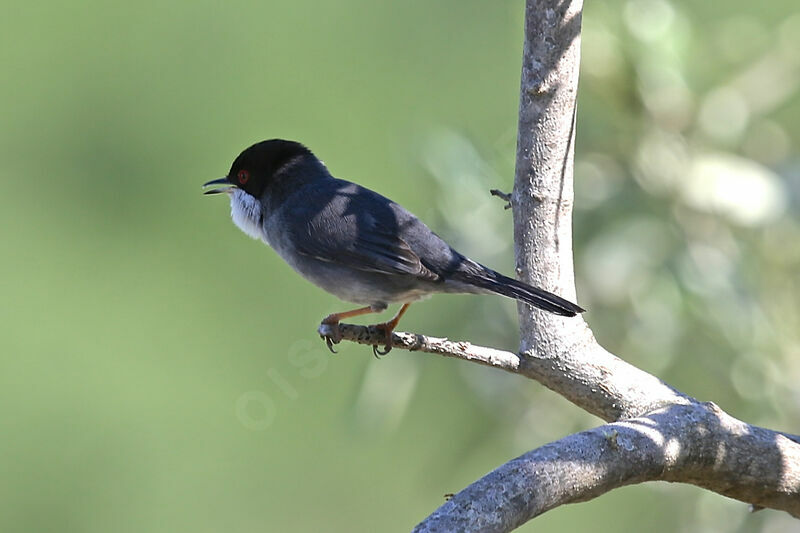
695 443
656 432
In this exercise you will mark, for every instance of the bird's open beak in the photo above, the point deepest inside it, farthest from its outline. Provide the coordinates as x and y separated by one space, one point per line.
223 185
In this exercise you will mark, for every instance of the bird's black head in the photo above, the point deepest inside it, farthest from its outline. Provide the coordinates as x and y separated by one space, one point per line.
261 165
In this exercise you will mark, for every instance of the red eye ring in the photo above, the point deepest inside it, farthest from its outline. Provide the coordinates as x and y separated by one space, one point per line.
243 176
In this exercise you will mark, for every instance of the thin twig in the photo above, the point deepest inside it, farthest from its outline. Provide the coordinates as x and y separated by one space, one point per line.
503 196
414 342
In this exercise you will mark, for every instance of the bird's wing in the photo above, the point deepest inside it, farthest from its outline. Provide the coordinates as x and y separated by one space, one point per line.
357 228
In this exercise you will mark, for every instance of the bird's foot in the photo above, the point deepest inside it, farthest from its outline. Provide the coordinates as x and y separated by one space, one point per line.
387 328
329 328
329 331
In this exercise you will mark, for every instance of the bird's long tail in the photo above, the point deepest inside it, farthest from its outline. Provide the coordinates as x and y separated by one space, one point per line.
490 280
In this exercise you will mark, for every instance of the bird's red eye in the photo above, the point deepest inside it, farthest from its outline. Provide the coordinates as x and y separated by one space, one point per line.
243 176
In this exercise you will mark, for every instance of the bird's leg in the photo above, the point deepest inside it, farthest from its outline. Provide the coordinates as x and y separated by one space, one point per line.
388 328
333 320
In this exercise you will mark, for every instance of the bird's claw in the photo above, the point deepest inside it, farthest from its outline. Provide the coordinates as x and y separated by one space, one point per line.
331 334
378 353
329 344
387 329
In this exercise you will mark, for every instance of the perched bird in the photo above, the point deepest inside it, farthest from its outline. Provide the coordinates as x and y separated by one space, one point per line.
351 241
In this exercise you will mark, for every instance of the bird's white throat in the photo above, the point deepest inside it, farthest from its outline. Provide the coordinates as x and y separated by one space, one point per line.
246 213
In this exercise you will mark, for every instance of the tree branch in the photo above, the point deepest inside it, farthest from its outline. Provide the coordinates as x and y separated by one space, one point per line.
686 441
414 342
657 432
715 451
586 374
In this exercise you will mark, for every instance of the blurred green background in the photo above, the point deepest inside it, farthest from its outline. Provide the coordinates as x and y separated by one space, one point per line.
159 371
